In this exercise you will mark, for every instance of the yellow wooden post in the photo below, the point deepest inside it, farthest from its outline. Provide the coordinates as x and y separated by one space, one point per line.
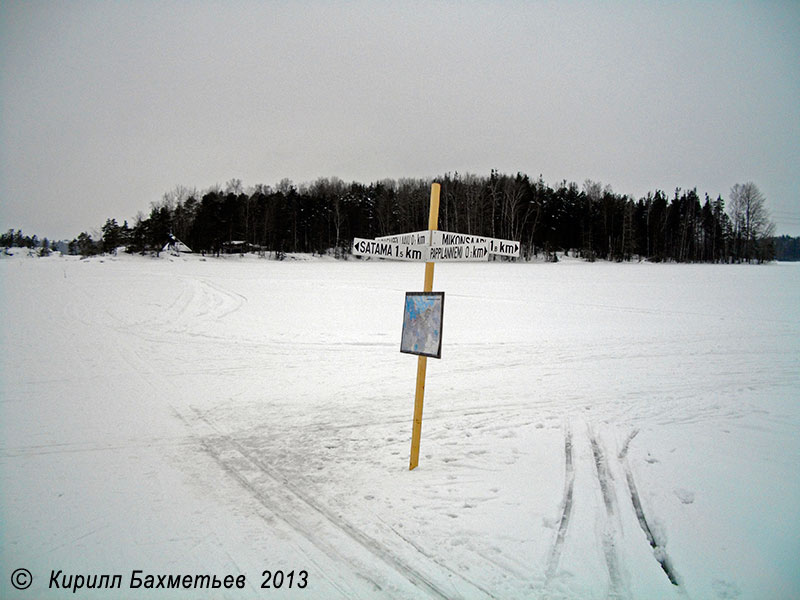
422 361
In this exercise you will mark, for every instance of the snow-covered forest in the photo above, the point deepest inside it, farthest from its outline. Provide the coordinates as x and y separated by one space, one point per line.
590 221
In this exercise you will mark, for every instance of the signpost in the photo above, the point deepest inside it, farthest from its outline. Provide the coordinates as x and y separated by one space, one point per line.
430 246
422 361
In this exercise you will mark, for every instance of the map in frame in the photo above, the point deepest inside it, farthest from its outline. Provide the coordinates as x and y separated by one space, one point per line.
422 324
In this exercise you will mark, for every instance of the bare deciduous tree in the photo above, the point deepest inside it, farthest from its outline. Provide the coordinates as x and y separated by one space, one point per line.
751 222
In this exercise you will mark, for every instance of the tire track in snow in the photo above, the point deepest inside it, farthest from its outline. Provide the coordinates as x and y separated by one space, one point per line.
285 502
624 452
308 517
211 433
89 446
222 302
384 569
195 302
569 486
433 559
659 551
233 467
616 589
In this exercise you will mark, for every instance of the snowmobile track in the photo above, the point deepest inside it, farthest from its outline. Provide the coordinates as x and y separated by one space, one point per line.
287 505
302 513
603 475
624 452
658 551
609 547
569 486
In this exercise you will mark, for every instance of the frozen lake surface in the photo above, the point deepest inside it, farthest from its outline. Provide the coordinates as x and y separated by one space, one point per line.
591 431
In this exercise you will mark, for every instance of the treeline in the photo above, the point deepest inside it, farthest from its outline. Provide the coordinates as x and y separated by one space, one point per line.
17 239
590 221
787 248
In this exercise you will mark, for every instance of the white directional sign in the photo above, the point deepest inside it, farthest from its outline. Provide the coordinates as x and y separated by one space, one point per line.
383 249
503 247
424 253
461 252
434 246
496 246
415 238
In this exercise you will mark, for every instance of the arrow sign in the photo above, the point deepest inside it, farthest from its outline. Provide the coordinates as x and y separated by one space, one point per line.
383 249
434 246
503 247
460 252
496 246
415 238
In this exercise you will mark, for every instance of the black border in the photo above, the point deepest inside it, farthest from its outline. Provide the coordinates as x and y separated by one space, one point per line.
441 324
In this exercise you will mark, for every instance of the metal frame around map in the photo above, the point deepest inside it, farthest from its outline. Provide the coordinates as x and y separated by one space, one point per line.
438 295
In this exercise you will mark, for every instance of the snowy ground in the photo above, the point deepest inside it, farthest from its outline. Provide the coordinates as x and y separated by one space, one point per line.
591 431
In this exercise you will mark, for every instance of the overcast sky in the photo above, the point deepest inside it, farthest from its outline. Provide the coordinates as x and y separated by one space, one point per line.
105 106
